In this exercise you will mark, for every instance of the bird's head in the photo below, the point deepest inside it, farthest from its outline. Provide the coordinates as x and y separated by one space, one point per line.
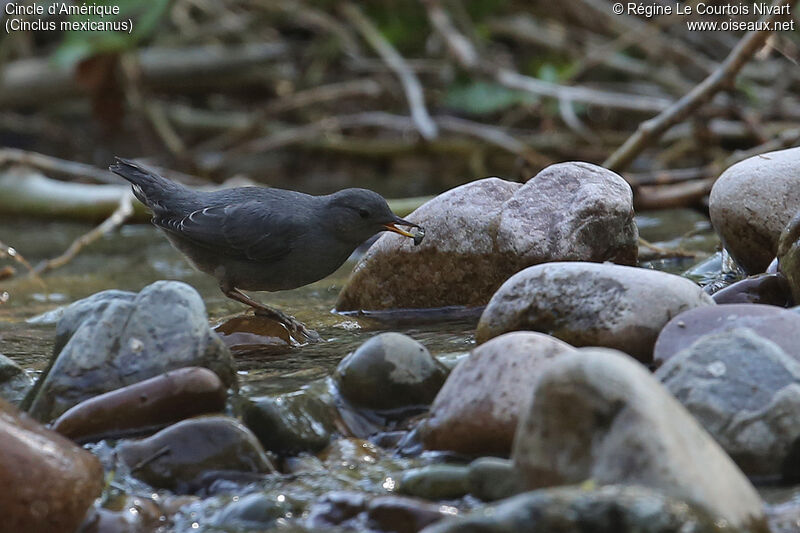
355 215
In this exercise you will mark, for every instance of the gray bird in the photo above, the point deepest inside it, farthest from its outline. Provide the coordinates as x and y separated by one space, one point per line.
260 238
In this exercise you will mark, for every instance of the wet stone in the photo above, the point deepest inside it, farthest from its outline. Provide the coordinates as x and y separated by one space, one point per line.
589 304
493 478
14 381
781 326
390 371
177 456
435 482
402 515
254 511
49 481
336 507
789 255
610 509
114 340
291 423
247 333
145 406
766 289
745 391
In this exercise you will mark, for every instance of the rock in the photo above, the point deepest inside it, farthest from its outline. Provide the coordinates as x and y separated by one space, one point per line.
291 423
477 409
256 511
245 334
145 406
402 515
14 382
745 391
481 233
178 455
610 509
588 304
114 340
334 508
778 325
766 289
390 371
789 255
492 478
435 482
743 209
598 414
49 481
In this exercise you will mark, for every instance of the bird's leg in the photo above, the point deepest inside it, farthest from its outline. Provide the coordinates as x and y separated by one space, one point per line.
291 323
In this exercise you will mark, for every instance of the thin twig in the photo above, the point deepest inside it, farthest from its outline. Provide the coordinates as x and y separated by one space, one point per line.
650 130
9 251
411 85
55 165
117 218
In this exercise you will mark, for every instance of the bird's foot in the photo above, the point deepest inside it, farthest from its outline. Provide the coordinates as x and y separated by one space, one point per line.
294 326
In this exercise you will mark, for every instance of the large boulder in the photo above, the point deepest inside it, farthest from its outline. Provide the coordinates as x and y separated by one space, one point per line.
49 482
745 391
479 234
744 209
590 304
778 325
599 415
115 339
479 405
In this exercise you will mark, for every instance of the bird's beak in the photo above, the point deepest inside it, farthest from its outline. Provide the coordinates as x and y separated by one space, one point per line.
392 226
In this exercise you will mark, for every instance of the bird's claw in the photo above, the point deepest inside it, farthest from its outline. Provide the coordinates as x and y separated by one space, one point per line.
291 323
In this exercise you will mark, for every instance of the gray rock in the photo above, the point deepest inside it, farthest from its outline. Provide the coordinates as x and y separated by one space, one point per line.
193 447
14 381
589 304
493 478
114 339
766 289
598 414
478 408
611 509
745 391
744 209
256 511
435 482
779 325
481 233
335 508
390 371
789 256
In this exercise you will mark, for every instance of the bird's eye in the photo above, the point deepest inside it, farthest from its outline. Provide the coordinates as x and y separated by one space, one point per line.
363 213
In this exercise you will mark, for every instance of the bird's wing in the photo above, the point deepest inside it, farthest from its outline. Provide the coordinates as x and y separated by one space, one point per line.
247 230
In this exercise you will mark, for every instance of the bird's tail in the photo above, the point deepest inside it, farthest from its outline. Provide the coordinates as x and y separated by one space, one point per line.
150 188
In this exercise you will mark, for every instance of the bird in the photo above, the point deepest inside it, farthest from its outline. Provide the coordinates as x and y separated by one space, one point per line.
263 238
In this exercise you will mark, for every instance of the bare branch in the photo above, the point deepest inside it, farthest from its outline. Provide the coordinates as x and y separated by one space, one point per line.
411 85
650 130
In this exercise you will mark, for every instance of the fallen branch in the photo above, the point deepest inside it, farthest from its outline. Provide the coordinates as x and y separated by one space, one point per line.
123 212
650 130
54 165
411 85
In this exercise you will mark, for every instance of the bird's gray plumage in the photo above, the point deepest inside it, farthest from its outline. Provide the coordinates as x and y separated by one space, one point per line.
260 238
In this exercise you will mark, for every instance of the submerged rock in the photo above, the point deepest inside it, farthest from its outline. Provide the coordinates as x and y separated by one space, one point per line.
744 210
402 515
599 415
176 457
390 371
49 482
781 326
145 406
14 382
479 405
481 233
589 304
256 511
115 339
745 391
611 509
